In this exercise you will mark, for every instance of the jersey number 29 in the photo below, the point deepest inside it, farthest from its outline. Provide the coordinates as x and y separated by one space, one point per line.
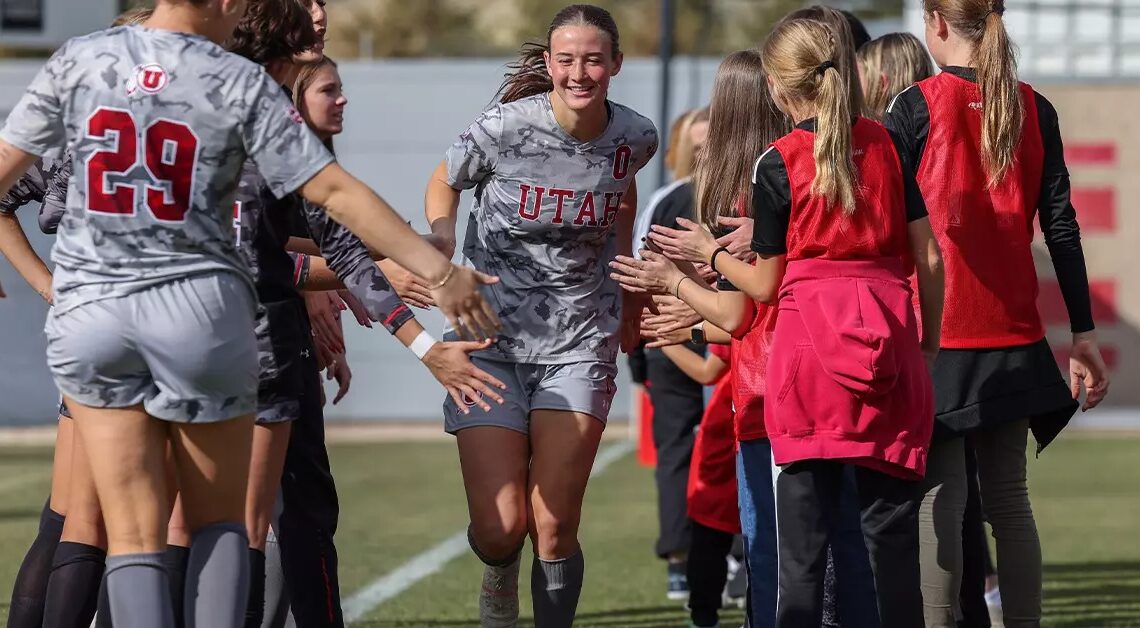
168 155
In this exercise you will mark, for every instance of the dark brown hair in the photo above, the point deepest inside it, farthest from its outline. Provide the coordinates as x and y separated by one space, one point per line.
528 75
980 23
305 79
273 30
743 120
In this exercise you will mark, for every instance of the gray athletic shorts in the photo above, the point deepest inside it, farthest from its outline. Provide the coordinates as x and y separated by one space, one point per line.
184 349
586 387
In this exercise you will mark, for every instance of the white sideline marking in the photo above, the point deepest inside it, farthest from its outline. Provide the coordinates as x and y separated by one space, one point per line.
431 561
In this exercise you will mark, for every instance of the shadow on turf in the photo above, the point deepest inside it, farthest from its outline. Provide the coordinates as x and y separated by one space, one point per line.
638 617
1092 594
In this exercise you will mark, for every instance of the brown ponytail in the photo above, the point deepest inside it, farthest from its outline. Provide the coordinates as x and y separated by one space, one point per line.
528 75
980 22
802 57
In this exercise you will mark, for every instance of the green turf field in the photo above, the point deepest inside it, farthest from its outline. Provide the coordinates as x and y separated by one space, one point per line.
399 499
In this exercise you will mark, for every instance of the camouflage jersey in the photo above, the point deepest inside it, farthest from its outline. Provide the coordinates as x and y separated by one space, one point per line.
44 183
543 221
160 124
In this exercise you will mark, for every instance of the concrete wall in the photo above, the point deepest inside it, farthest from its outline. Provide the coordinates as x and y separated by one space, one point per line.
403 115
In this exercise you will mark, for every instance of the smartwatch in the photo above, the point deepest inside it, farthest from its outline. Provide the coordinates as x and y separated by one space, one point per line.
698 333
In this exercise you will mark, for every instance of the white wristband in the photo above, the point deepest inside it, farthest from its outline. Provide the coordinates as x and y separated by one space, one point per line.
422 344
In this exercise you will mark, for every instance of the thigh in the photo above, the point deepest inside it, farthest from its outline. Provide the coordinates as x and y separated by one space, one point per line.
128 453
213 469
1000 454
61 464
196 380
495 463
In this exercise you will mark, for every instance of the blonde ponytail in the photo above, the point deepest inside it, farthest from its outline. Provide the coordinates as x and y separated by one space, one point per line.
980 23
834 165
803 57
1002 109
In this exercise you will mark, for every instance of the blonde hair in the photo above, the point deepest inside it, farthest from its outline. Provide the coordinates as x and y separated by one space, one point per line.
802 57
305 77
1003 113
681 153
743 120
134 16
840 25
889 65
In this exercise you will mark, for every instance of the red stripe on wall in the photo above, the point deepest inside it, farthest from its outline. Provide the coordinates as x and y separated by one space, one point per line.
1090 154
1051 304
1096 208
1061 353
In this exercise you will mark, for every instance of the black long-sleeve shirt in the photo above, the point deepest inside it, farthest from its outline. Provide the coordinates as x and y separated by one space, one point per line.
909 117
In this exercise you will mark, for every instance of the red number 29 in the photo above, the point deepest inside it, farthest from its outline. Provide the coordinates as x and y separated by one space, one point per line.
169 154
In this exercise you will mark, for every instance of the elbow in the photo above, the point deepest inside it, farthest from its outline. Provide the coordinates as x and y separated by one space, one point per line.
766 293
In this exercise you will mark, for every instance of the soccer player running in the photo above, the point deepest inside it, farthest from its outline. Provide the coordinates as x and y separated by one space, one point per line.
553 164
152 336
988 156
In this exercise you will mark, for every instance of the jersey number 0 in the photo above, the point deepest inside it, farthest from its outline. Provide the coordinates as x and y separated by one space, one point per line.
168 153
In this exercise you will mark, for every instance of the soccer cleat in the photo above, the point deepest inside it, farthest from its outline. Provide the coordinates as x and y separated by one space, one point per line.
678 588
736 588
499 596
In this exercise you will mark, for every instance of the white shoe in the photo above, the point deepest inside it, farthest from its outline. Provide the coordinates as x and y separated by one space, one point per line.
499 596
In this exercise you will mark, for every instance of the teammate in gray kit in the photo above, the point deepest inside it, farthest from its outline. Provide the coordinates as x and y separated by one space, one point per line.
152 332
553 166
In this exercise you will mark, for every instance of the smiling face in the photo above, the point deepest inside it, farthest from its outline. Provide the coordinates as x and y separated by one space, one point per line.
324 103
581 64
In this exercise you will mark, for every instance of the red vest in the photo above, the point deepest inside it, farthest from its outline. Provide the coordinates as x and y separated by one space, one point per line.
846 377
749 368
985 233
876 229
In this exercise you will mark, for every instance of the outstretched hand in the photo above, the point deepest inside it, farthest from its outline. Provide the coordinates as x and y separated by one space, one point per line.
450 364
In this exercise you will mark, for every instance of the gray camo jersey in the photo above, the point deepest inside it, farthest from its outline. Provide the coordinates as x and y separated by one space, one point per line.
543 221
159 124
45 183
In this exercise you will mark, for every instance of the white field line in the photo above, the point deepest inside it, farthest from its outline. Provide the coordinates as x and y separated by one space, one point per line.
431 561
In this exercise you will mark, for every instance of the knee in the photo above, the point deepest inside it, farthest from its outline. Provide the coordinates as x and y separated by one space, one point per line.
498 538
555 536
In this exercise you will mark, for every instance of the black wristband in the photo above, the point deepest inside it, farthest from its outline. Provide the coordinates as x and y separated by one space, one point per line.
712 260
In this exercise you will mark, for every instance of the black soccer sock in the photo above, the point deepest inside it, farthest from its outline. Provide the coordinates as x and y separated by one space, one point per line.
176 558
30 589
73 589
255 609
